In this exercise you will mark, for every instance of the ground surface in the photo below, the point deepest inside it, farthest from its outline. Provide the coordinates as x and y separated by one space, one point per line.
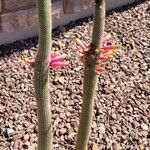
122 105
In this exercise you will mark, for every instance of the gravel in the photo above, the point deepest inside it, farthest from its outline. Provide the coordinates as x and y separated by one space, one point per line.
122 104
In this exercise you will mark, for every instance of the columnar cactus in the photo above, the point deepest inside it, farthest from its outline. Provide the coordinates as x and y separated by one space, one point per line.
41 75
94 57
90 76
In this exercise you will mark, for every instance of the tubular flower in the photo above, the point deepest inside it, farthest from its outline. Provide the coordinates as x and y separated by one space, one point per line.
82 47
106 52
55 60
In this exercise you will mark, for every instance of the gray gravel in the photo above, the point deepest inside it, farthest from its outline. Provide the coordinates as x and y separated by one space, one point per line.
122 104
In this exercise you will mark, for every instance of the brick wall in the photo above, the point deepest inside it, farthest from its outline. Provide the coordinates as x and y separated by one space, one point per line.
18 18
18 15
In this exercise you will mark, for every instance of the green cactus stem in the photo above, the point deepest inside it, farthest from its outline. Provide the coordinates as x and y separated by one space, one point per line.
90 78
41 75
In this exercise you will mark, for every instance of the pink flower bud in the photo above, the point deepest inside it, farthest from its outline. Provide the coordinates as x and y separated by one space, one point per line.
106 58
99 71
80 44
115 46
80 49
57 58
30 61
58 64
52 55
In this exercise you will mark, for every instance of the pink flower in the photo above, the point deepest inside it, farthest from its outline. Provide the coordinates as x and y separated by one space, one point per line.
110 47
100 68
31 62
81 47
58 58
106 52
55 60
80 44
59 64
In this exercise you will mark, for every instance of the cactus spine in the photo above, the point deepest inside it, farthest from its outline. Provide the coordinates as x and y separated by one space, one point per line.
41 75
90 78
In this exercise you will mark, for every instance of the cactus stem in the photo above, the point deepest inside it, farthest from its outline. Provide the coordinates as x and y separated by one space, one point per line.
90 77
41 75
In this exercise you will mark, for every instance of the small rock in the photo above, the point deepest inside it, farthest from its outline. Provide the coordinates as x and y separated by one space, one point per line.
10 132
26 137
136 124
16 137
116 146
62 131
95 147
142 146
94 124
144 126
144 133
78 68
102 128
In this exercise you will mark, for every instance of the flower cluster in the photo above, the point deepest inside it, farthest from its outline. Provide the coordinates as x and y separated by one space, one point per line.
105 53
55 60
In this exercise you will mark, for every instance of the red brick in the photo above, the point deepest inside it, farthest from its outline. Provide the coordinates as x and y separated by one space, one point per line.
74 6
23 19
15 4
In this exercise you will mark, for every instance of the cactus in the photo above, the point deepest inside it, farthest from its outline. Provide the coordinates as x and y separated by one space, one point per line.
90 77
41 75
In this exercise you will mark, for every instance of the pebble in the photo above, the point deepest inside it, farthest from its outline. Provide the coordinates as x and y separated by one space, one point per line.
144 126
9 132
102 128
